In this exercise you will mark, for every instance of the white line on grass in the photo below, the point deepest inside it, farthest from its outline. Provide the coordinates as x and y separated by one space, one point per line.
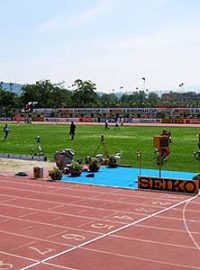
109 233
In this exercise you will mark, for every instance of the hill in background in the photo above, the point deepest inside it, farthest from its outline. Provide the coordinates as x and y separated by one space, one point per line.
13 87
16 88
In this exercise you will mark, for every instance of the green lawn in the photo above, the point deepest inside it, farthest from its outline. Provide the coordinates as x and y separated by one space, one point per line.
128 139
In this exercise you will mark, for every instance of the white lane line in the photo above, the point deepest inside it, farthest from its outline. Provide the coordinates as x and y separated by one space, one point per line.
57 218
35 212
144 259
19 257
56 207
29 214
47 224
165 229
187 228
39 239
109 233
60 266
26 228
22 246
52 191
153 242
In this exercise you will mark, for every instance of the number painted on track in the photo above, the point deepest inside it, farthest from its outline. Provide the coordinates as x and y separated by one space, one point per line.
123 217
5 266
174 197
48 250
76 237
102 226
161 203
144 210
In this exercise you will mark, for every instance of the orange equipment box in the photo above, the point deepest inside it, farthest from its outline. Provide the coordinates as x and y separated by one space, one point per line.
161 141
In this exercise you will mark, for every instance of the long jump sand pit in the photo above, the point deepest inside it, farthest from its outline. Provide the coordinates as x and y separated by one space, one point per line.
10 167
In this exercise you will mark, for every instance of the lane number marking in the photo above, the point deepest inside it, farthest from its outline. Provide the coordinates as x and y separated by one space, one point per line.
76 237
102 226
5 266
123 217
48 250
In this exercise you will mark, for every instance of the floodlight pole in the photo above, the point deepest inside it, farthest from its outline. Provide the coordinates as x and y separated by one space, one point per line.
144 101
143 78
181 88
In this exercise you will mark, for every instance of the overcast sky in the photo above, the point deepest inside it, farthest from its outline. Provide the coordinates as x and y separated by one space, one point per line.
113 43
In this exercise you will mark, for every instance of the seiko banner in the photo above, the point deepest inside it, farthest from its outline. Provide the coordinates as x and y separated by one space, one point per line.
166 184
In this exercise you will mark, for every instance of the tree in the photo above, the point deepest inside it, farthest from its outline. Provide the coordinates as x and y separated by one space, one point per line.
84 95
153 99
8 101
109 100
139 98
46 94
125 100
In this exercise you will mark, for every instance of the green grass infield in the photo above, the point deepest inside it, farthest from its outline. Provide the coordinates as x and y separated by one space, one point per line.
128 139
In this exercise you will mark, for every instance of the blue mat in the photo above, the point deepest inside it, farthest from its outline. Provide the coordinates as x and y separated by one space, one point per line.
124 177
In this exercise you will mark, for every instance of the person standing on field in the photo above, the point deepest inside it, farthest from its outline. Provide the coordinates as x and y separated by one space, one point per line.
6 131
72 130
198 140
106 124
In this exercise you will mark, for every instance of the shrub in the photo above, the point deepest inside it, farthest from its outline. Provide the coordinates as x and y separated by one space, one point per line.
75 169
112 162
94 166
55 174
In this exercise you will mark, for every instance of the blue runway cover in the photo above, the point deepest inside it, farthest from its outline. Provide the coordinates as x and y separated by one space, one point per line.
124 177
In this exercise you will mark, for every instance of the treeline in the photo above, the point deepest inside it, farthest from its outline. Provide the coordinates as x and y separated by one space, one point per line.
83 95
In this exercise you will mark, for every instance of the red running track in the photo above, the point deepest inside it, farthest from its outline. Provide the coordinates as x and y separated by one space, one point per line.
52 226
